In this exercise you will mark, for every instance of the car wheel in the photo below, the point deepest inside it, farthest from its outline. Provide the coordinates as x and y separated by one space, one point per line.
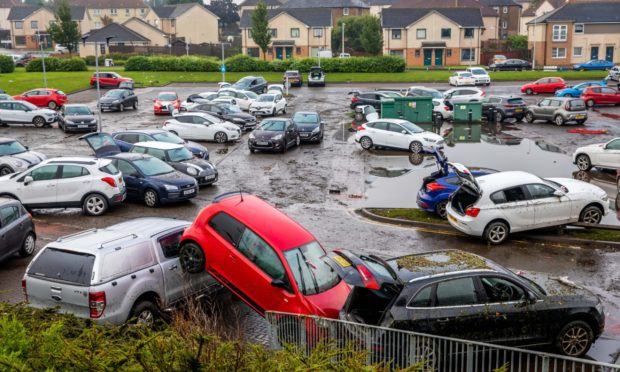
135 105
583 162
284 146
151 198
6 170
366 143
519 118
273 111
496 232
591 214
192 258
559 120
440 209
252 149
297 141
590 103
220 137
38 122
28 245
529 117
499 117
567 95
144 313
574 339
95 205
415 147
52 105
529 92
121 107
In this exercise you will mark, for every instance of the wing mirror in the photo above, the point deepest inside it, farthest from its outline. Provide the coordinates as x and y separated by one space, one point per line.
558 193
28 180
531 297
279 283
404 132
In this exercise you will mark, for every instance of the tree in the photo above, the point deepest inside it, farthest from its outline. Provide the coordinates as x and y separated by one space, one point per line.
517 42
226 10
362 34
261 34
106 20
371 38
64 31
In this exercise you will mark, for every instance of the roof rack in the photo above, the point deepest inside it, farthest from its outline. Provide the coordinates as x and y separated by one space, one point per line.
133 236
75 235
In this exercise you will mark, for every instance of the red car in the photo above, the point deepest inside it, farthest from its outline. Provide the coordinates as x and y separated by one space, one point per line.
544 85
600 96
51 98
264 257
166 102
108 79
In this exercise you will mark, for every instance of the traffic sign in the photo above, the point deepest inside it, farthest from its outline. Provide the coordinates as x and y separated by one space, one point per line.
223 68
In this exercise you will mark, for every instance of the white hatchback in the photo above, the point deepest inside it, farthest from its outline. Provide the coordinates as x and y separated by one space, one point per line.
495 205
460 78
242 98
601 155
202 127
271 103
397 133
481 76
23 112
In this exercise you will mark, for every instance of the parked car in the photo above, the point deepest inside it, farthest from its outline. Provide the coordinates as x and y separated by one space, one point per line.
108 79
500 108
256 84
372 98
166 103
226 112
76 117
594 64
601 96
460 78
127 138
363 114
600 155
118 100
15 157
269 104
480 75
511 65
201 126
399 134
261 255
344 55
496 205
50 98
459 95
23 60
451 293
274 134
614 73
309 125
121 273
577 90
316 77
17 230
23 112
294 78
498 58
78 182
191 100
275 88
544 85
559 110
242 98
61 49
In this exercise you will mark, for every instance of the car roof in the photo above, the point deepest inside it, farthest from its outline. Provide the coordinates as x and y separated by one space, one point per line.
75 105
129 156
396 121
159 145
141 131
305 112
501 180
167 92
564 98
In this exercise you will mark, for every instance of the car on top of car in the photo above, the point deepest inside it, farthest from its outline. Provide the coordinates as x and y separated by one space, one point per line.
241 98
23 112
397 134
76 117
166 103
558 110
262 256
118 100
510 65
601 96
372 97
577 90
15 157
544 85
309 125
50 98
108 79
201 126
293 77
256 84
594 64
125 139
274 134
600 155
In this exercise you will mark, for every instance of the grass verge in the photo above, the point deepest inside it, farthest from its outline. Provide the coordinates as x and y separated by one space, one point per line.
594 234
410 214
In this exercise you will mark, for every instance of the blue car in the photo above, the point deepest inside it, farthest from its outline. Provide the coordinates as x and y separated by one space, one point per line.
127 138
578 89
594 64
437 188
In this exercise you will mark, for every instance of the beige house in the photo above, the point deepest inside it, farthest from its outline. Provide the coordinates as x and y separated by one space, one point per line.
118 35
433 37
543 8
141 27
28 25
5 9
99 13
251 5
501 18
191 22
338 8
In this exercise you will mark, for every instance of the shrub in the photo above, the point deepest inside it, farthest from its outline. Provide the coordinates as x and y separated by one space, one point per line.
241 63
57 64
6 64
170 63
72 64
138 63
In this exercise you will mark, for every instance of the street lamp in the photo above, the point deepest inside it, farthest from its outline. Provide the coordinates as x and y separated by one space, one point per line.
43 59
230 39
97 80
342 51
187 48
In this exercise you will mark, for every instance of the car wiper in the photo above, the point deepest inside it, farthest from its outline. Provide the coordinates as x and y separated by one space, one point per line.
301 276
316 284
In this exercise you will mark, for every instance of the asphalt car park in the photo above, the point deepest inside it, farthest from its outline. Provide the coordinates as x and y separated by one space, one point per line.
319 185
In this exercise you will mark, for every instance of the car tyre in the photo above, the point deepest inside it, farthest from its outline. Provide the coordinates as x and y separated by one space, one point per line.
366 143
496 232
297 141
28 245
529 92
416 147
192 258
273 111
121 107
529 117
559 120
220 137
151 198
583 162
95 205
591 214
52 105
519 118
574 339
440 209
144 313
499 117
38 122
135 105
590 103
6 170
284 110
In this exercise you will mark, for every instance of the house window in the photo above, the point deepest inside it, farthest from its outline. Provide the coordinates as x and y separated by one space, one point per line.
397 53
298 50
295 32
559 32
113 11
504 24
19 25
97 24
448 52
469 33
577 51
345 11
496 8
142 11
446 33
274 32
417 53
173 23
254 52
317 32
579 28
20 40
126 12
420 33
314 52
34 25
396 34
269 51
467 54
558 53
96 12
505 10
102 49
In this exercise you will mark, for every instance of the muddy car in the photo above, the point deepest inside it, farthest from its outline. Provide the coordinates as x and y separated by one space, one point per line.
458 294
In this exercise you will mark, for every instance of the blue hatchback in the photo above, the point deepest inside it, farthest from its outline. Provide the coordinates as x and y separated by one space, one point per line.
594 64
126 139
578 89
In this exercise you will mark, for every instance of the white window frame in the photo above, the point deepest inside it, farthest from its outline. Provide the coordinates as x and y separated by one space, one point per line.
34 25
562 31
580 51
113 12
127 12
298 32
19 25
504 24
317 32
496 8
96 12
555 53
472 54
400 34
345 11
583 28
417 33
505 10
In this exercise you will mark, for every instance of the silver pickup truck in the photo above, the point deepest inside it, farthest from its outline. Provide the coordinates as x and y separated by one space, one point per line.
128 271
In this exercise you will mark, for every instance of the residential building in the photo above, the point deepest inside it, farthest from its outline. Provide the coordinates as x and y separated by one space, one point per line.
502 18
28 25
121 35
339 8
576 33
5 9
143 28
433 37
296 33
532 12
190 22
376 6
251 5
99 13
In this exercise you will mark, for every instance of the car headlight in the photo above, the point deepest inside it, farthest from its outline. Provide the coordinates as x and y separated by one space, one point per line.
116 101
278 137
316 130
19 163
50 114
68 121
232 128
171 188
239 120
252 136
604 198
93 121
192 171
429 140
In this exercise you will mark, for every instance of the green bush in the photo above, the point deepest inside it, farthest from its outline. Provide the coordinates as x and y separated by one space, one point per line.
116 57
241 63
57 64
171 63
6 64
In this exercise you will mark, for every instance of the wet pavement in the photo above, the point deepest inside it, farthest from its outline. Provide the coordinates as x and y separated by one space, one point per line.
320 185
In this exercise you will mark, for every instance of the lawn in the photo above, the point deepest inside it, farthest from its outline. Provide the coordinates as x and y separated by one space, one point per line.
20 81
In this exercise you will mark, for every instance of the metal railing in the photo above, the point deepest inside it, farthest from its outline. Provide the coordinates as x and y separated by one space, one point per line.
401 349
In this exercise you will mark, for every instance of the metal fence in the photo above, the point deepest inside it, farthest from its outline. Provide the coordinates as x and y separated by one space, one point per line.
400 349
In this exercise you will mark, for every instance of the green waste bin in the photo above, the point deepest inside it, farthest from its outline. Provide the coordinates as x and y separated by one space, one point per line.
388 109
462 110
414 109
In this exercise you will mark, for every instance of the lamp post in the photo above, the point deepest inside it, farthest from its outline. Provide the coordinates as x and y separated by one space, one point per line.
97 80
342 51
534 43
43 60
187 48
230 39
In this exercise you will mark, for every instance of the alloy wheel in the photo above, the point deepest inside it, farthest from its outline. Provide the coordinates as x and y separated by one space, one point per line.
95 205
52 105
559 120
591 215
146 317
38 122
366 143
575 340
529 117
29 244
415 147
441 209
220 137
583 162
590 103
150 198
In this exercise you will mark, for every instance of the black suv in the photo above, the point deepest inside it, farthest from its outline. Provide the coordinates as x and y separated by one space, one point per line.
458 294
228 112
372 98
499 108
254 84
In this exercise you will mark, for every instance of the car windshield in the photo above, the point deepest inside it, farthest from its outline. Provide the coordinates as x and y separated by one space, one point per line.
411 127
77 110
180 154
117 93
29 105
293 74
244 82
167 97
306 118
478 71
465 74
168 137
150 166
266 98
231 109
312 273
251 95
226 93
272 126
11 148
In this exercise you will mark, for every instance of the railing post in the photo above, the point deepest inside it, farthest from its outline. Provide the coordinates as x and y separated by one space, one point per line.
302 333
545 364
470 358
271 329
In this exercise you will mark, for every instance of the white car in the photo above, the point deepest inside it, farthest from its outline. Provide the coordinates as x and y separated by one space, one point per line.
614 73
467 94
202 127
208 95
439 107
15 157
600 155
72 182
481 76
229 100
495 205
460 78
268 104
397 133
243 98
275 88
23 112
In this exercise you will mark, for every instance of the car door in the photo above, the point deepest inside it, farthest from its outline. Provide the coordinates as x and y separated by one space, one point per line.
102 144
542 109
550 208
11 230
515 206
6 112
396 137
43 97
73 183
32 97
131 176
379 133
203 127
610 156
21 113
554 105
609 96
42 190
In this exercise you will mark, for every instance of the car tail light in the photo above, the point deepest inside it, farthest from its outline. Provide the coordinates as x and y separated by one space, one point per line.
483 93
353 99
110 181
434 186
472 212
361 127
96 303
25 289
367 278
447 108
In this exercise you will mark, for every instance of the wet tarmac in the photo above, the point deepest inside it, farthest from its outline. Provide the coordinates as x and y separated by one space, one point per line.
320 185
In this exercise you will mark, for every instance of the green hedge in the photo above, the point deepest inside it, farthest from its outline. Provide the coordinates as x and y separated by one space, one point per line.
57 64
192 64
90 60
7 64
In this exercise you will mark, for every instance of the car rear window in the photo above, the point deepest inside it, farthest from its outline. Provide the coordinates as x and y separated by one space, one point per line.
576 105
109 169
516 101
66 266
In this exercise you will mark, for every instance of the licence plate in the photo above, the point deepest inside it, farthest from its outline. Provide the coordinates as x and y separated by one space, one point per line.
210 177
341 261
579 117
188 192
82 126
262 143
304 134
518 110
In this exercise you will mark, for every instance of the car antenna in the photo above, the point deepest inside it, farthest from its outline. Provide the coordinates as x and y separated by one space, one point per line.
241 194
